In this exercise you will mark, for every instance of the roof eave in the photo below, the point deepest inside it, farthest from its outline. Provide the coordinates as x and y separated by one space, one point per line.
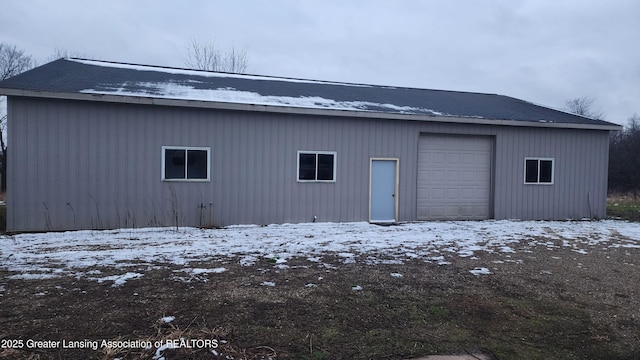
147 100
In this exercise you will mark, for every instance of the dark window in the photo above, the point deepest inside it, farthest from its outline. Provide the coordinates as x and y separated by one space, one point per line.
185 163
307 167
531 175
325 167
538 171
197 164
546 171
316 166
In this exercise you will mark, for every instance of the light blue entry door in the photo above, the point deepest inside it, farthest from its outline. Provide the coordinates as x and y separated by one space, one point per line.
382 193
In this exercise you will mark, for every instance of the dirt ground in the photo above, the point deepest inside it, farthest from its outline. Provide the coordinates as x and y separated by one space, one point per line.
540 302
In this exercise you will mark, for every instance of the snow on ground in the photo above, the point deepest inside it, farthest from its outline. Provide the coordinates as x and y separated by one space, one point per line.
84 253
167 319
480 271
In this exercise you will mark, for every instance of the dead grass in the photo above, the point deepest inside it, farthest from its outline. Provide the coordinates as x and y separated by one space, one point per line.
537 304
623 206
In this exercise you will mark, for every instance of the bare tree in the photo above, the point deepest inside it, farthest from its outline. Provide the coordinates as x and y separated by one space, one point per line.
12 62
583 106
624 158
59 53
207 56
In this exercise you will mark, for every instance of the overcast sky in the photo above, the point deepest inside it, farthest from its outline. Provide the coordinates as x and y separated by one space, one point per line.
543 51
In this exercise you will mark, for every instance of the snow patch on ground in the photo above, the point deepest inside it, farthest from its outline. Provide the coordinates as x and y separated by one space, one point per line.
33 276
77 253
198 271
119 280
480 271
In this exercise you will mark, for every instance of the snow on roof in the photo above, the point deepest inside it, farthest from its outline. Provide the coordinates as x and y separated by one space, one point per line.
73 78
188 90
231 95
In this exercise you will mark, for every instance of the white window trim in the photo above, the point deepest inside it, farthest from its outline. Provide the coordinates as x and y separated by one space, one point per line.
553 171
207 149
335 162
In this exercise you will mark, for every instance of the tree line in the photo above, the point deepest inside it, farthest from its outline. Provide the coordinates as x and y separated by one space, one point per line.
624 159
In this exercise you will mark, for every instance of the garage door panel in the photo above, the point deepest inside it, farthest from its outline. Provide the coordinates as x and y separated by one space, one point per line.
454 177
437 175
455 158
438 158
435 194
469 158
453 194
468 176
469 194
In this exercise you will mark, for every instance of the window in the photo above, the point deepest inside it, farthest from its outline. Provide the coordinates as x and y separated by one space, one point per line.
316 166
185 163
538 171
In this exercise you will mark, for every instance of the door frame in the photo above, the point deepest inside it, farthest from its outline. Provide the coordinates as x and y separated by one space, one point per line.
395 190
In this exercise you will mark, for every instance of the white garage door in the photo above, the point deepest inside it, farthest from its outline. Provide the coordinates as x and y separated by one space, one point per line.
454 177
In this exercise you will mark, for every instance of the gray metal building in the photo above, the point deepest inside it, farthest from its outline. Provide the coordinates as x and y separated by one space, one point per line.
96 144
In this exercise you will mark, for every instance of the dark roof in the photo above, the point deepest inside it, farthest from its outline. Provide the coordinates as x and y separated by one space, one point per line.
90 77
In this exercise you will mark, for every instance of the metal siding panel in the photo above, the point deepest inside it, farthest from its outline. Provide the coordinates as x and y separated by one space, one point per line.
137 159
55 212
10 178
248 136
569 165
352 149
221 173
238 172
25 185
599 182
293 137
104 160
262 180
358 163
575 153
34 215
17 133
269 188
406 150
278 171
583 176
290 205
79 133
